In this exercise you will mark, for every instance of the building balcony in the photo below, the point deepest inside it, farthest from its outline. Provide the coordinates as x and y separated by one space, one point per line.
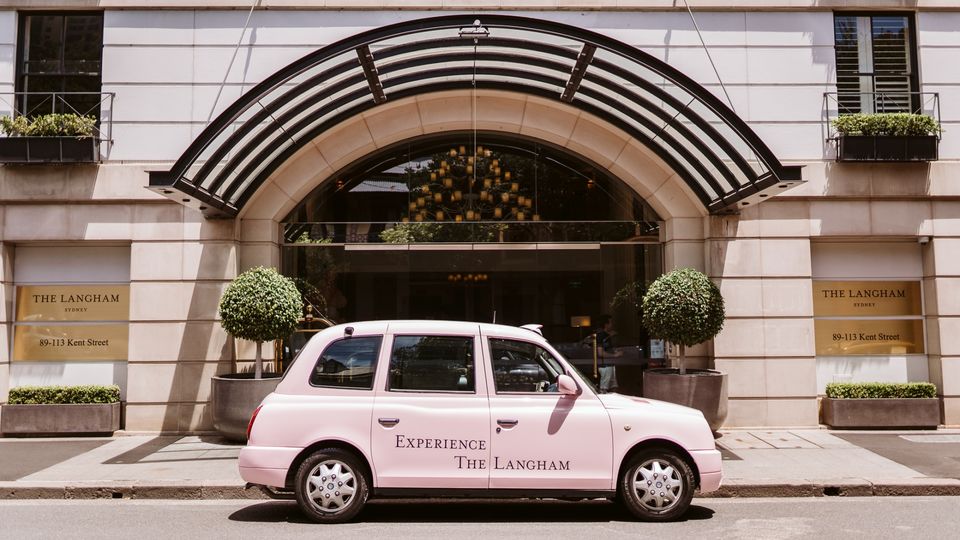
883 127
55 127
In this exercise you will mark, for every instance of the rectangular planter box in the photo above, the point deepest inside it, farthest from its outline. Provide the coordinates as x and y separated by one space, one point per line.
48 150
887 148
95 418
881 413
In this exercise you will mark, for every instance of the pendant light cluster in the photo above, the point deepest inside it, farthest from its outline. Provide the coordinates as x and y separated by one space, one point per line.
468 186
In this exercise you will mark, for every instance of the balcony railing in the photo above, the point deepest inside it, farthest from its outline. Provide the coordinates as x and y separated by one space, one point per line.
58 149
881 147
476 232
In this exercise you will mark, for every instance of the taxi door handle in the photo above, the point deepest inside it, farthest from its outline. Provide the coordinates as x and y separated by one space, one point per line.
508 423
388 422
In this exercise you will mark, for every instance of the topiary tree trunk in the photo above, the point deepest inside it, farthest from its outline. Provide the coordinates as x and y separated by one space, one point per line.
685 308
260 305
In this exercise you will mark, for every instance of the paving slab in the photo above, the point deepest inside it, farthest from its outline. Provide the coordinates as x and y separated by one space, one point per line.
783 439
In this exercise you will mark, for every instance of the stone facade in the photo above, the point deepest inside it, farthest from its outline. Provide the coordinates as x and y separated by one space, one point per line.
166 68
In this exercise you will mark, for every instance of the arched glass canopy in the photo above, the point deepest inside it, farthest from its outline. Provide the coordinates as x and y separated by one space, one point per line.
714 151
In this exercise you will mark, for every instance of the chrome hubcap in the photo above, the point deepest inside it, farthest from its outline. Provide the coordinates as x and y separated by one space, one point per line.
658 485
330 486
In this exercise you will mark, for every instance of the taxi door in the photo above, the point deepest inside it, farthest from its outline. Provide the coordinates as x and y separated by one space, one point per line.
541 439
431 418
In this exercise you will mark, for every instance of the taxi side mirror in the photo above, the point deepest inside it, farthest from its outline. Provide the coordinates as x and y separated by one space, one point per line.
567 386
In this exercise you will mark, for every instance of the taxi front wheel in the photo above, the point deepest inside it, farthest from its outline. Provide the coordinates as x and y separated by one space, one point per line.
657 485
331 486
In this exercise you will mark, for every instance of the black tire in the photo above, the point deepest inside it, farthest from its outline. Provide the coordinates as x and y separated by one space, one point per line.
669 499
335 505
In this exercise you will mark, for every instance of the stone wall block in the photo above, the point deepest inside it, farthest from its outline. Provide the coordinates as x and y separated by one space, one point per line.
764 377
801 412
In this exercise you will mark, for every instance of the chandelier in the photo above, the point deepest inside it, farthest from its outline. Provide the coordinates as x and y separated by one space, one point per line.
468 186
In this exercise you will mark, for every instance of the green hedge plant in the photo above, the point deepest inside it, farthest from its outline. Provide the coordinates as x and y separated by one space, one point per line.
260 305
42 395
683 307
49 125
892 124
873 390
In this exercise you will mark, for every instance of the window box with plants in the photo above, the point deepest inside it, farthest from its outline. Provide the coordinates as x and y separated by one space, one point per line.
887 137
881 405
53 410
49 138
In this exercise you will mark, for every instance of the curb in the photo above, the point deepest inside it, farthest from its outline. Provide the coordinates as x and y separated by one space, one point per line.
127 491
233 492
865 489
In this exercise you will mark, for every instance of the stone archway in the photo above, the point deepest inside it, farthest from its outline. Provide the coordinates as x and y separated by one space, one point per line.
539 119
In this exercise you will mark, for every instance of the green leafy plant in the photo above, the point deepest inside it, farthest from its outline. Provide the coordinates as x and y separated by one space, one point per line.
260 305
683 307
49 125
630 295
894 124
42 395
873 390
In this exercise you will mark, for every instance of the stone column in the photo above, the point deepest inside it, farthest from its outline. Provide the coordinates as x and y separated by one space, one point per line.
6 313
941 283
683 247
760 259
177 275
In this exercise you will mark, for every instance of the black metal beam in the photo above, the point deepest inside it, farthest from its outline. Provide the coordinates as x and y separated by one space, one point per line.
579 69
370 72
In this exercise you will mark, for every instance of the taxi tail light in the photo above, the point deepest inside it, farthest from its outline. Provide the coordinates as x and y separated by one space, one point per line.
252 418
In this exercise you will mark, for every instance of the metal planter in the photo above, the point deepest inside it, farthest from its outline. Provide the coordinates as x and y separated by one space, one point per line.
881 413
887 148
702 389
233 398
57 419
30 150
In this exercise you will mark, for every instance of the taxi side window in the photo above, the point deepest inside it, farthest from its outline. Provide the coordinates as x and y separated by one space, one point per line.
432 363
348 363
519 366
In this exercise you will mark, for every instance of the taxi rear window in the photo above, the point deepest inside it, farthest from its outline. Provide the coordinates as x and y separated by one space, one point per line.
348 363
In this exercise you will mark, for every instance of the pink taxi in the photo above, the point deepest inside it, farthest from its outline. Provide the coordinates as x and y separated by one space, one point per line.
433 408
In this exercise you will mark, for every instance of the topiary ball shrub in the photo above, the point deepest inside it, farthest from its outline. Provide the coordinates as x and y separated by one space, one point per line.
683 307
260 305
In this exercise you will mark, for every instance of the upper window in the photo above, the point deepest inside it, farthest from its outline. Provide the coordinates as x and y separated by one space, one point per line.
519 366
875 63
432 363
60 53
348 363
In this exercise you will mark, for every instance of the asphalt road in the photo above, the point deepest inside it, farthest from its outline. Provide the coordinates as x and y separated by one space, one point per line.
715 519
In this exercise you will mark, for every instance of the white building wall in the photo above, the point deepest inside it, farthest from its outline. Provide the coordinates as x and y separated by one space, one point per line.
938 40
167 66
8 53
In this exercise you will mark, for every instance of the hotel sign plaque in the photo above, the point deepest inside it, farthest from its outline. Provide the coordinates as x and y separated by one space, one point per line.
868 336
73 303
868 318
80 342
866 298
62 323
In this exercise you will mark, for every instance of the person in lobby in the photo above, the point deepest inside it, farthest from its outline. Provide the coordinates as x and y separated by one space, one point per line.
606 352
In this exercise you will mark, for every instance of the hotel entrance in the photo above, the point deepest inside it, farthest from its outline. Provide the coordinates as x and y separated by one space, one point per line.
512 232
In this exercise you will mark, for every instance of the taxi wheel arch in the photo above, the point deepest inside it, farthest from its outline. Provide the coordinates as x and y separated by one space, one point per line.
319 445
664 444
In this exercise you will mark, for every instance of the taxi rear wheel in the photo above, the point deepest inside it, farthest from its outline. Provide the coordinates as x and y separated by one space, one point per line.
331 486
657 485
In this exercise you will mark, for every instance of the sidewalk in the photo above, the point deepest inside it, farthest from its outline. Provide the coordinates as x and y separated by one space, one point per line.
757 463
